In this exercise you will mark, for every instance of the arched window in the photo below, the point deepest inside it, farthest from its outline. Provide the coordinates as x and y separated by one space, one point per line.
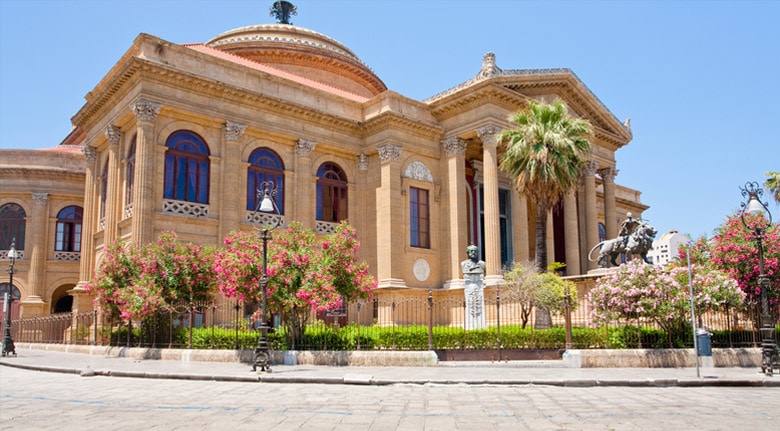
103 191
419 218
69 229
130 173
264 165
187 168
602 232
12 226
331 193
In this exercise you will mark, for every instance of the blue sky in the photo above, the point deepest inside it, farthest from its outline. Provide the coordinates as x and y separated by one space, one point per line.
699 79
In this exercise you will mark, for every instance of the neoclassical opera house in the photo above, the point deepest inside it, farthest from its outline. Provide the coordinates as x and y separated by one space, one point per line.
178 137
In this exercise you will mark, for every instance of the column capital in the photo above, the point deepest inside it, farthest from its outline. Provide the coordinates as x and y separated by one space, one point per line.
146 111
233 131
454 146
362 162
489 134
390 153
40 199
114 134
304 147
90 153
608 174
589 168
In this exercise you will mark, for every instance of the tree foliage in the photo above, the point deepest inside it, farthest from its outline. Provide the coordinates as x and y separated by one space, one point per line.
545 291
545 153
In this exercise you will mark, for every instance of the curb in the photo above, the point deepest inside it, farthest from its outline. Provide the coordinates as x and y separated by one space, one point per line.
367 380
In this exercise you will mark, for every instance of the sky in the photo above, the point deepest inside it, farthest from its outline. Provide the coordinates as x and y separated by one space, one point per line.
698 79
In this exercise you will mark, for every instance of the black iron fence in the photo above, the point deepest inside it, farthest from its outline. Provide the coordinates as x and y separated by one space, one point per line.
413 321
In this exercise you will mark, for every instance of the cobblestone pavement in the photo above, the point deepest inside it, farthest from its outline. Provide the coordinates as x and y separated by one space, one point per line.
35 400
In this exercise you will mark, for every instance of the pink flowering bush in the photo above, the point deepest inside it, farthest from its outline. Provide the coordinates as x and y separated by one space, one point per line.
734 250
637 290
306 273
135 281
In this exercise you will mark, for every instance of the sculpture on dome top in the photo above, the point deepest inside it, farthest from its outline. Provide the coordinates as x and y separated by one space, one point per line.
282 11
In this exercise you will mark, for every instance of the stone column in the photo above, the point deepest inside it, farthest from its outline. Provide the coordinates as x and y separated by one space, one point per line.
457 225
489 137
304 204
37 233
550 239
591 215
143 199
87 258
113 188
520 227
234 204
362 216
610 208
390 245
571 233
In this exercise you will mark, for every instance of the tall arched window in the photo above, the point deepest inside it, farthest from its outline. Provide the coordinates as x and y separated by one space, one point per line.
17 295
602 232
331 193
187 168
264 165
12 225
130 173
69 229
103 191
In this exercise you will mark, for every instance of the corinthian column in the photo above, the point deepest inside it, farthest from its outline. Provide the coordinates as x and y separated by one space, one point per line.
390 245
591 215
455 151
610 208
303 210
143 199
86 260
489 137
232 133
571 234
36 243
113 189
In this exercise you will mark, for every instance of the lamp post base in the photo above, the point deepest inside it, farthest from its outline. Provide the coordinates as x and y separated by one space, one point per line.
262 357
770 356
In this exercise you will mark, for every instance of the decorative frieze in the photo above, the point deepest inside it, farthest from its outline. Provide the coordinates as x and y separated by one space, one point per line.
418 171
390 153
114 134
233 131
146 111
454 146
304 147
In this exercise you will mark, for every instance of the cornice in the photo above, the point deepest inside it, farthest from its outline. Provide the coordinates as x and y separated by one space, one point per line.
395 121
482 93
44 172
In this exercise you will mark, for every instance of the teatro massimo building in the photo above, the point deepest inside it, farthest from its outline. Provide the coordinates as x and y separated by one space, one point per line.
178 136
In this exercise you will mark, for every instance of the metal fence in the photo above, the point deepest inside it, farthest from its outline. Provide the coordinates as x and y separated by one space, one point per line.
420 320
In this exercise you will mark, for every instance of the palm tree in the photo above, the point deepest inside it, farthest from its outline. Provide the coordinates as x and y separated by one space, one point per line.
545 152
772 184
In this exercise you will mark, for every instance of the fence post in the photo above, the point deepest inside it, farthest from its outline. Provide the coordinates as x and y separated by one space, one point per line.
359 305
393 318
430 319
498 321
567 316
95 322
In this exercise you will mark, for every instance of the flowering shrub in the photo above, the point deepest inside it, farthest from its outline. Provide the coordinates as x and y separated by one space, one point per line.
305 273
134 281
637 290
735 251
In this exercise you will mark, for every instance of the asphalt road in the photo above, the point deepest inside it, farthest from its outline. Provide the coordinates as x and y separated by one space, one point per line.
35 400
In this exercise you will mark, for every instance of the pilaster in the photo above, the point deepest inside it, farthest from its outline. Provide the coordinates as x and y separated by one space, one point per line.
390 245
610 207
303 210
143 202
232 209
591 214
458 229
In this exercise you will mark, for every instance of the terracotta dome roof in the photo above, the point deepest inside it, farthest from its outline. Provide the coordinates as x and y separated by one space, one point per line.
303 52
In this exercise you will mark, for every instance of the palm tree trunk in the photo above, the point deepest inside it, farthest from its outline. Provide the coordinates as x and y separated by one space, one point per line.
541 237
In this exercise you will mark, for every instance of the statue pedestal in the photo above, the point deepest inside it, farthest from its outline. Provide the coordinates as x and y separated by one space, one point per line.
475 302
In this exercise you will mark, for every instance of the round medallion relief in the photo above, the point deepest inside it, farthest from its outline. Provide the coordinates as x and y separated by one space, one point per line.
421 269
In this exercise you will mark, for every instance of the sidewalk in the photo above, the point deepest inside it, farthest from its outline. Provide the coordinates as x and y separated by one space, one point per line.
444 373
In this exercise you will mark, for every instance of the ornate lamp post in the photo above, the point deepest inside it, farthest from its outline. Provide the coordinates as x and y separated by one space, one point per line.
266 203
8 342
761 220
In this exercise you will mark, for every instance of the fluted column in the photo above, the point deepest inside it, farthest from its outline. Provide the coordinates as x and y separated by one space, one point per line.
390 245
591 215
87 258
520 236
37 232
113 188
550 239
143 199
234 206
489 137
304 204
610 207
457 225
361 219
571 234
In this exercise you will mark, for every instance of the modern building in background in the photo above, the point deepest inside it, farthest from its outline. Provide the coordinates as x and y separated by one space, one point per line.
666 247
178 137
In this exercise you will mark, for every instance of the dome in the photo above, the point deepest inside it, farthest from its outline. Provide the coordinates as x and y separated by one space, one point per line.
302 52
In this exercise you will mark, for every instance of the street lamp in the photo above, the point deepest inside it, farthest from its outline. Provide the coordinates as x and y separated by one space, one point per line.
761 220
8 342
266 203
